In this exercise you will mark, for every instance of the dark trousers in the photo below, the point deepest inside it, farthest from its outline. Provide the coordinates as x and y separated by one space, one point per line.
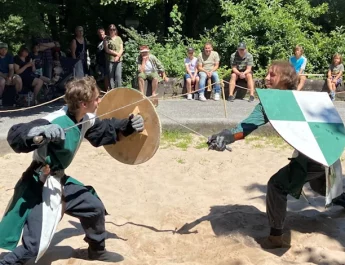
79 203
277 188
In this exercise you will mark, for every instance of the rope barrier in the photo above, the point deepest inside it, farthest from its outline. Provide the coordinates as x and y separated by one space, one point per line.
103 92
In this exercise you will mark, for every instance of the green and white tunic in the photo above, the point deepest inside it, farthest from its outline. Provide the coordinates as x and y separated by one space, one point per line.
33 189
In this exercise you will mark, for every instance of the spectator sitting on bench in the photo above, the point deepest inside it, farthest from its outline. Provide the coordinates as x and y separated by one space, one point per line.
241 62
25 68
299 62
334 75
191 76
7 76
37 56
149 68
208 63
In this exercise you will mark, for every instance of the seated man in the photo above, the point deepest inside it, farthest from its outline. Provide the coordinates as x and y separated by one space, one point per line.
191 76
299 62
208 63
149 68
241 62
7 76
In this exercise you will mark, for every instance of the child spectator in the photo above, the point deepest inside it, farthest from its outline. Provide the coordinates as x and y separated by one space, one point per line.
57 67
334 75
24 66
191 76
299 62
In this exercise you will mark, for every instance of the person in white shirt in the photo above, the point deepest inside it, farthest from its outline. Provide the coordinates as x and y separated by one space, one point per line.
191 75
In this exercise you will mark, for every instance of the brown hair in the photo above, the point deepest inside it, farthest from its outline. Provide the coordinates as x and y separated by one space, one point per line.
287 74
208 43
298 48
22 49
337 55
80 90
113 26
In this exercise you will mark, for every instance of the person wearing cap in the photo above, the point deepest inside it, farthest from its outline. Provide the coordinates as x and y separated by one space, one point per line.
7 76
79 51
191 76
241 63
299 62
113 47
208 63
149 68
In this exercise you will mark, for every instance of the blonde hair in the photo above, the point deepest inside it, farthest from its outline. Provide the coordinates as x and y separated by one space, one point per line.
80 90
285 70
339 56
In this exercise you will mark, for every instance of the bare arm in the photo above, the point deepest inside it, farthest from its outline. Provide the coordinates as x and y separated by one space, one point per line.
235 70
45 46
339 75
108 51
187 69
248 70
329 74
11 70
73 48
20 70
215 67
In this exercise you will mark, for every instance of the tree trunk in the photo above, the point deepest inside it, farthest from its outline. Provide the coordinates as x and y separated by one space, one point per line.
192 18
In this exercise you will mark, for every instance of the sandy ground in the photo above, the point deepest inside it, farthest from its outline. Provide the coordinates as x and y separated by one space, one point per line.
220 196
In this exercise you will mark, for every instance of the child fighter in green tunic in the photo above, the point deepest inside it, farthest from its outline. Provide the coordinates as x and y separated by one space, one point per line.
32 209
291 178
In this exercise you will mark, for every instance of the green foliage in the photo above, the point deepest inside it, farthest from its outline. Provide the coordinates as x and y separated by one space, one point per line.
171 52
271 28
139 3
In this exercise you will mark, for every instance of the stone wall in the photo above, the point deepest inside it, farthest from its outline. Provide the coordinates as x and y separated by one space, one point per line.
176 87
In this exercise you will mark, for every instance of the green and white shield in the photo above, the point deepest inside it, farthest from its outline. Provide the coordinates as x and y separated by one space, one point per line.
308 121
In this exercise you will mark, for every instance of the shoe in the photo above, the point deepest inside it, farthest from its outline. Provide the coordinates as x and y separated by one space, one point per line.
332 95
104 255
251 99
272 242
216 97
196 96
189 96
202 97
340 200
231 98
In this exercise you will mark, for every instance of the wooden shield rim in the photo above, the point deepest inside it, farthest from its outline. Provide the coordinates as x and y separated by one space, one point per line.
112 149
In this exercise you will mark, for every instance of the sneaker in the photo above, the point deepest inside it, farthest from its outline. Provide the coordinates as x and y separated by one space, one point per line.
332 95
189 96
340 200
202 97
231 98
216 96
251 99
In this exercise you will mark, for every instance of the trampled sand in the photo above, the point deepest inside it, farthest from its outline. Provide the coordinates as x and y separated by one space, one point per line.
220 196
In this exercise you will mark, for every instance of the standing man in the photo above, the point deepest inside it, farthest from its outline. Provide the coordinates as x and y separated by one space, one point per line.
7 76
44 187
241 63
101 58
299 62
208 63
149 68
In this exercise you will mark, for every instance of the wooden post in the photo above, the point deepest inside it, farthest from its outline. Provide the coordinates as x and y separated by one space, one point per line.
224 101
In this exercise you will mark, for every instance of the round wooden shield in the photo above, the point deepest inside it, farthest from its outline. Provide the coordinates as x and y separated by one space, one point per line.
136 148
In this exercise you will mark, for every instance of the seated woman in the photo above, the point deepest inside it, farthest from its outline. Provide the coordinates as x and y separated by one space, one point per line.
334 75
25 68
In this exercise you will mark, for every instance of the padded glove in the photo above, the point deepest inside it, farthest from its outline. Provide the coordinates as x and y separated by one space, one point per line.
51 133
220 140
